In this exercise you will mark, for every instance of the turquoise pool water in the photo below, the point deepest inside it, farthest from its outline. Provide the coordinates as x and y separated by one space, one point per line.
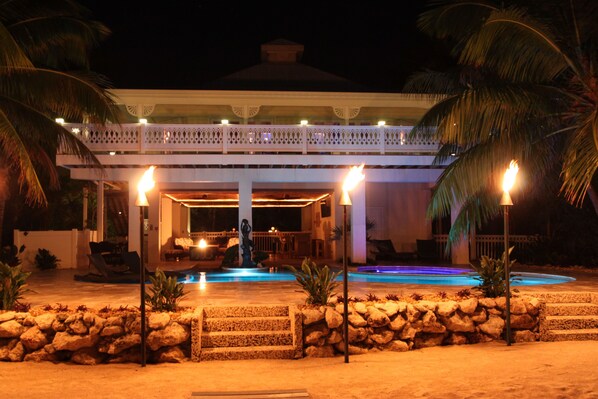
431 275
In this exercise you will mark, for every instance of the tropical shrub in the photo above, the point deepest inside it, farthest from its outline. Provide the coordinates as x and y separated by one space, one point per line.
231 256
12 285
318 282
10 255
260 256
491 275
166 292
45 260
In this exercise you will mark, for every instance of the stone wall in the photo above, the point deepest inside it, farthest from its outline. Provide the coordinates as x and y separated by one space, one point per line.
93 338
401 326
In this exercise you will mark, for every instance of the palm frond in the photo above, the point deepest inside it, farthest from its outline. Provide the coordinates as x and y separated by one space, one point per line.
11 55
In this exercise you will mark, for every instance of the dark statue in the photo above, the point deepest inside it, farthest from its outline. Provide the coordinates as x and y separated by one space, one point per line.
246 244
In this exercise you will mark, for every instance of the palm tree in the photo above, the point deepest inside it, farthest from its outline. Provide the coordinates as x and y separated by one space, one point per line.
525 88
44 74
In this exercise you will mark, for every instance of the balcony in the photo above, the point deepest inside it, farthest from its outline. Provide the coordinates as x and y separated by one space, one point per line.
251 139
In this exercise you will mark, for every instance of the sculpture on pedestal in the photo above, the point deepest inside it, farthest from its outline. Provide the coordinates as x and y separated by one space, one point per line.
246 244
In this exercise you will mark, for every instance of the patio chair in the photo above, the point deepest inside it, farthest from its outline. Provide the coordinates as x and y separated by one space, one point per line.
133 262
385 250
105 273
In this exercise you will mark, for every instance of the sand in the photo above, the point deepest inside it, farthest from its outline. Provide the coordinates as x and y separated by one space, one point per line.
493 370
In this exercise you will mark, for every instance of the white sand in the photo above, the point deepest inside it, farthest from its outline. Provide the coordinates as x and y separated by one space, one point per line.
526 370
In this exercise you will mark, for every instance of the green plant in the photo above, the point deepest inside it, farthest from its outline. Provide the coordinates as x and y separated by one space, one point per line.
259 256
464 293
372 297
491 275
336 233
392 297
12 285
10 255
231 256
44 259
318 282
416 296
166 292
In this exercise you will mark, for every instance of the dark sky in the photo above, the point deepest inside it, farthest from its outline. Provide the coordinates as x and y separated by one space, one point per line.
181 44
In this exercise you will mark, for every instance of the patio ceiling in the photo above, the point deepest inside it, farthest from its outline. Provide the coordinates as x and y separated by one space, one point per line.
260 198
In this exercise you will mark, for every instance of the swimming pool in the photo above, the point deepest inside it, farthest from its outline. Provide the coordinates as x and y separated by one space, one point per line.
432 275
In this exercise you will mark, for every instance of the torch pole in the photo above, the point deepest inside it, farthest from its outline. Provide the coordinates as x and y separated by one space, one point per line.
345 287
142 284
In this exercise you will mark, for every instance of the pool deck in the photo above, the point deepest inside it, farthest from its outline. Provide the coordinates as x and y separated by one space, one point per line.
58 286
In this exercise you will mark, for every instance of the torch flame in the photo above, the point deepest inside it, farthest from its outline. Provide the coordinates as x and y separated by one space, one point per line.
202 243
147 181
510 174
353 178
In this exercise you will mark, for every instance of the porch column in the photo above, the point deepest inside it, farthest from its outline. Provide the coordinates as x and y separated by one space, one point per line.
100 217
133 237
460 250
358 231
245 188
85 207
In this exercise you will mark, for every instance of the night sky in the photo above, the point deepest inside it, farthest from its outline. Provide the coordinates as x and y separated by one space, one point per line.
182 44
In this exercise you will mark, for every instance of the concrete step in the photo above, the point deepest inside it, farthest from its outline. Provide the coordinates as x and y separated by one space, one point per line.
571 309
563 297
570 322
248 352
276 323
589 334
245 311
244 338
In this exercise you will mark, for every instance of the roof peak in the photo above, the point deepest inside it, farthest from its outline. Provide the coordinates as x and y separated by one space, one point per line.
281 51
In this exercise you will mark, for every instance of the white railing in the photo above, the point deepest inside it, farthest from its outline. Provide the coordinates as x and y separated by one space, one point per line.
490 245
292 243
250 138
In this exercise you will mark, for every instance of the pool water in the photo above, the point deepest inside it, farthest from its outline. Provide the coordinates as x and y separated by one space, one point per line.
432 275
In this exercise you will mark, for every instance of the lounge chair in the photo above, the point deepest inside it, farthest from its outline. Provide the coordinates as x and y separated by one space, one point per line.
105 273
385 250
132 260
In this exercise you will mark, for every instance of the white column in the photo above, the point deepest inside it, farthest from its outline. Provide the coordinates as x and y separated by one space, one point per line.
460 250
100 217
245 188
133 238
358 232
85 208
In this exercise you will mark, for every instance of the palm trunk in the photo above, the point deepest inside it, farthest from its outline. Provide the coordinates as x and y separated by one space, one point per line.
593 195
4 194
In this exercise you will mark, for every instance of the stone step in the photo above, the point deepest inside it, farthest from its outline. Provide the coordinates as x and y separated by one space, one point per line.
570 322
275 323
563 297
248 352
588 334
571 309
245 311
244 338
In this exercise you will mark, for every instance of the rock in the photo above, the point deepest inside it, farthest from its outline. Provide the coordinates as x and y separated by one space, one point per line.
357 334
333 318
478 338
17 353
525 336
40 356
171 354
397 346
315 337
428 340
487 302
185 319
114 321
353 350
110 331
121 344
408 332
518 306
456 339
28 321
533 306
522 321
78 327
447 308
469 306
501 302
87 356
424 306
397 324
6 316
65 341
133 324
72 318
173 334
128 356
458 323
58 326
431 324
319 351
311 316
357 321
377 318
34 339
479 316
390 308
383 337
495 311
62 317
493 327
44 321
11 329
412 313
334 337
158 321
88 318
360 307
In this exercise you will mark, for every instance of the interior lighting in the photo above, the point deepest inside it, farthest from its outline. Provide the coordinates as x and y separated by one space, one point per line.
60 121
303 122
224 121
381 123
143 121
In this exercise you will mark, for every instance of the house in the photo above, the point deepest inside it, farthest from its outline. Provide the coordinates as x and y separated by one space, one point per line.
277 134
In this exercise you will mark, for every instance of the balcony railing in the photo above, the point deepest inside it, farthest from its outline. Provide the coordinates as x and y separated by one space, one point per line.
141 138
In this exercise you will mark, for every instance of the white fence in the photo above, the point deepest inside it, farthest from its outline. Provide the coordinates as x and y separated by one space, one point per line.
292 243
250 138
70 246
490 245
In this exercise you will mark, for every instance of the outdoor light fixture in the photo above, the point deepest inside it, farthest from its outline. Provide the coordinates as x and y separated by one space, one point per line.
381 123
224 121
202 244
352 179
143 121
506 202
303 122
145 184
112 153
60 121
